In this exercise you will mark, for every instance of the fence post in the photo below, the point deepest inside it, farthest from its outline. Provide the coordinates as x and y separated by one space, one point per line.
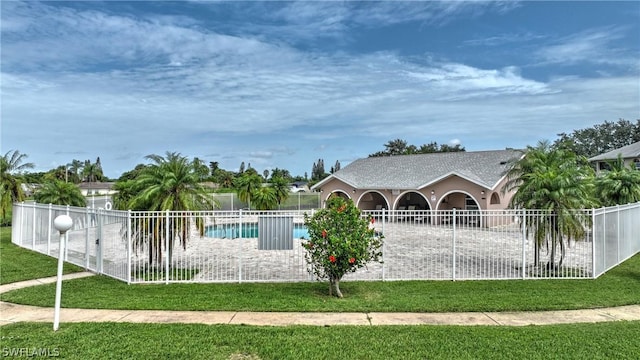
604 238
33 231
593 244
240 238
99 240
22 223
66 240
524 243
453 260
167 249
384 246
49 223
87 219
129 247
618 233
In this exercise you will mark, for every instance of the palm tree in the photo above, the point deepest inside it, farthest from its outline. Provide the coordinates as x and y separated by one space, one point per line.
619 185
170 183
75 166
225 178
11 186
91 172
281 188
559 183
60 193
246 184
264 198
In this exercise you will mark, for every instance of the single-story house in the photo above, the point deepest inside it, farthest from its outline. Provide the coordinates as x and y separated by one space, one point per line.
96 188
437 181
630 155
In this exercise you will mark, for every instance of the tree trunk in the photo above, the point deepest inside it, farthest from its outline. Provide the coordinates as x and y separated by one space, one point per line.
334 284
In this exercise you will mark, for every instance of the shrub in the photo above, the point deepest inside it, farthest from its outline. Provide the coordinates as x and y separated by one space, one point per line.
341 241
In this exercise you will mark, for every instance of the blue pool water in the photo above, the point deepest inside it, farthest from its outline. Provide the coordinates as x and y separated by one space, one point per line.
250 230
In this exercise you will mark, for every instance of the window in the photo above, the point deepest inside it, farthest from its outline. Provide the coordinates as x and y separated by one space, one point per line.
636 162
495 199
603 166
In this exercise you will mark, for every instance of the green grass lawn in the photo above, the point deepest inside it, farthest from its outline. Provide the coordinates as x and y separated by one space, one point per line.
621 286
18 264
617 340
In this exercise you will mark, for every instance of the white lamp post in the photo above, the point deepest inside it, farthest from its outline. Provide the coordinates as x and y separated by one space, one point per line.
62 223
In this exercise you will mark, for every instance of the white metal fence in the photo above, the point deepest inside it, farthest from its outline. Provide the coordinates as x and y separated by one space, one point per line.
254 246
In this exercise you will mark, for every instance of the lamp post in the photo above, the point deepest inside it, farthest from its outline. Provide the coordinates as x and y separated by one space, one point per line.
62 223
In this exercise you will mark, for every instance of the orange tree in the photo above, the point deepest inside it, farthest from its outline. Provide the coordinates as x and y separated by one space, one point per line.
340 241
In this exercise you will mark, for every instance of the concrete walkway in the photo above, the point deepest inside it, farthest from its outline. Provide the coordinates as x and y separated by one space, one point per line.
12 313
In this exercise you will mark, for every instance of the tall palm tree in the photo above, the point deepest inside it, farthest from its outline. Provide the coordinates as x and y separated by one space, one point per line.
170 183
75 166
11 163
281 187
91 172
60 193
619 185
559 183
247 184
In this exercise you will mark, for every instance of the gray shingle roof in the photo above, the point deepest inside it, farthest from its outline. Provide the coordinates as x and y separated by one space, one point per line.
629 151
485 168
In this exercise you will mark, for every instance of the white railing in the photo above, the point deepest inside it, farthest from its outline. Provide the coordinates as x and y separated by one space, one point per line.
255 246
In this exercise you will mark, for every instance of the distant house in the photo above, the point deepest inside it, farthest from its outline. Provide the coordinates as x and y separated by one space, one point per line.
630 155
96 188
438 181
299 186
29 189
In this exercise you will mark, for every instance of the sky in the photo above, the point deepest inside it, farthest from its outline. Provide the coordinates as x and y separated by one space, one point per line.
283 84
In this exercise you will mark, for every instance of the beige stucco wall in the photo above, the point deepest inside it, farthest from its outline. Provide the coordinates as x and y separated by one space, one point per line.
443 195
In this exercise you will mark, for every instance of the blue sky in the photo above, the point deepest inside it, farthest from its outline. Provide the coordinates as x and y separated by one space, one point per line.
282 84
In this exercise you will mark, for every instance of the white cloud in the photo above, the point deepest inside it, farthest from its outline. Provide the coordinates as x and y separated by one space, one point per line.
591 46
173 86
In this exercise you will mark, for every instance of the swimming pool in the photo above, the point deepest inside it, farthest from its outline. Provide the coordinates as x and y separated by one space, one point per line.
249 230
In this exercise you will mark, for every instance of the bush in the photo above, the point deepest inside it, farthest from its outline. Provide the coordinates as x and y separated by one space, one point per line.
341 241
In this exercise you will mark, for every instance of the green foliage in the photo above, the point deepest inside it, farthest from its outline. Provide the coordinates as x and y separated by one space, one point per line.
281 187
558 182
341 241
400 147
317 171
264 198
60 193
600 138
247 184
619 185
223 178
169 183
11 164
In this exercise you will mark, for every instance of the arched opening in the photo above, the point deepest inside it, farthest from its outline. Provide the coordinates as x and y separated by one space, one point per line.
372 200
334 193
412 200
495 199
460 200
412 206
